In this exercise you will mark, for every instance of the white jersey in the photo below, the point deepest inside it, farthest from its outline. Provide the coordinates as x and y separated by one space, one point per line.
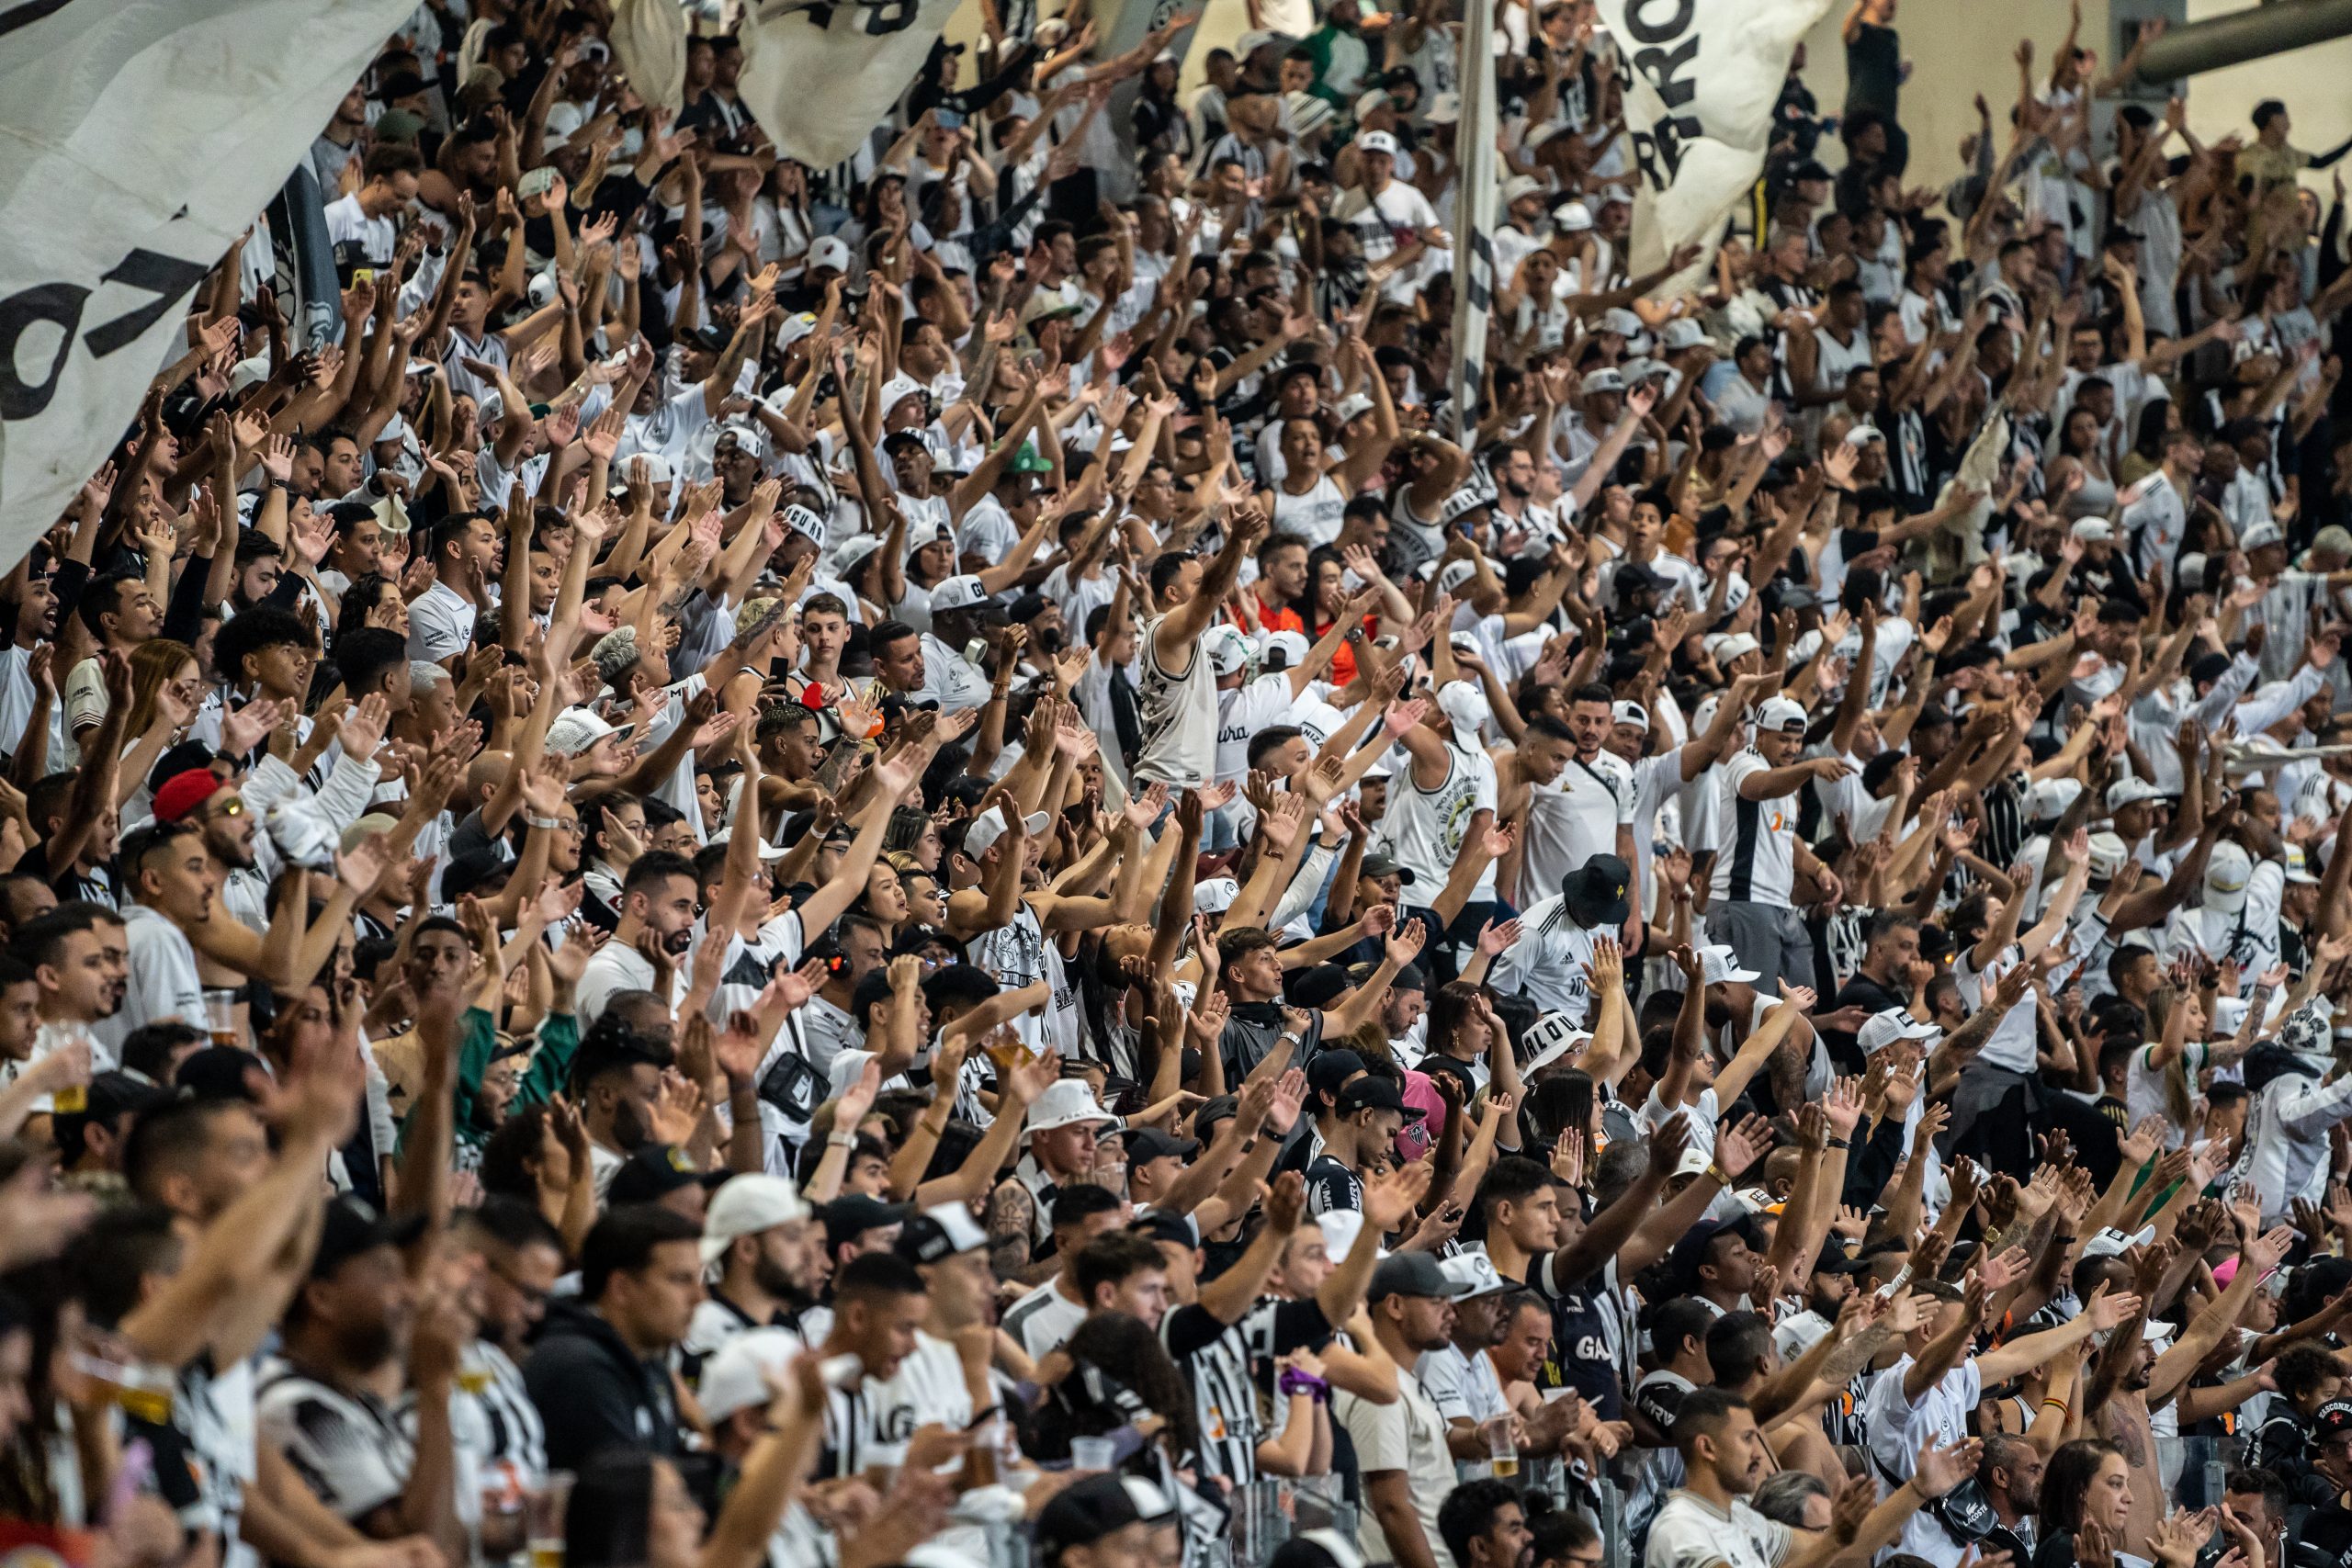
1573 818
1547 964
1019 954
1426 827
1757 863
1315 516
1179 712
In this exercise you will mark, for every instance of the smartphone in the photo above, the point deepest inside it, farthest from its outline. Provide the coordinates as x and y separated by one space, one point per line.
362 275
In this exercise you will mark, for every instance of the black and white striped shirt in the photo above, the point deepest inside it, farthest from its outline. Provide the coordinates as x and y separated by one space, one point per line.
1222 1361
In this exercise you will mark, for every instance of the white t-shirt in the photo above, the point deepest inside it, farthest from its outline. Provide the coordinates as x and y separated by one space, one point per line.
1757 863
1409 1436
1573 818
1897 1429
1688 1533
440 624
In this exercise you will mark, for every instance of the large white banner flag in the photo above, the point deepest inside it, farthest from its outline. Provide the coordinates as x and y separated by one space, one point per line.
1473 218
1701 78
819 77
137 139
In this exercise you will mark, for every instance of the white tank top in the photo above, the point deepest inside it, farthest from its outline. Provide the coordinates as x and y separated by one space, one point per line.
1179 715
1314 516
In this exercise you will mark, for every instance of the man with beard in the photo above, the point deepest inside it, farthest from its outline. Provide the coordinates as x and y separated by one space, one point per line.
377 1451
1708 1523
78 987
1402 1447
614 1080
879 1306
167 869
1459 1377
945 1379
1484 1527
514 1256
2011 1477
655 931
600 1372
758 1235
27 691
1826 1290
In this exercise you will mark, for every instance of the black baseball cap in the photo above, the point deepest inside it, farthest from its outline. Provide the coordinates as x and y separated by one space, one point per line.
655 1171
1380 864
1330 1069
853 1214
218 1072
1596 891
1166 1225
1414 1274
2332 1420
1691 1250
1211 1112
1087 1511
1150 1142
353 1226
1375 1094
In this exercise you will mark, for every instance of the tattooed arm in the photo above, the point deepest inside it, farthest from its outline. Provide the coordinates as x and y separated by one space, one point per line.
1012 1219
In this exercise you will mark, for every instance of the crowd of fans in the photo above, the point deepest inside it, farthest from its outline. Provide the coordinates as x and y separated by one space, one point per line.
823 867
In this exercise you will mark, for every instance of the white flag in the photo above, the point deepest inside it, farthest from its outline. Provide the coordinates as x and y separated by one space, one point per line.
137 142
1701 78
1473 218
819 77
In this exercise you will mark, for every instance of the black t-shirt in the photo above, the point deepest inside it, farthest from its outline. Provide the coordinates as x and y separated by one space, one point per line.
96 886
1863 992
1873 69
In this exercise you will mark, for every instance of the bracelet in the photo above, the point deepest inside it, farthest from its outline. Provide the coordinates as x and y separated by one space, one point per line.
550 823
1841 1143
2057 1405
843 1140
1715 1172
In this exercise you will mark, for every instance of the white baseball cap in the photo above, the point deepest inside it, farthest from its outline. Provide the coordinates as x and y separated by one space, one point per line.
1719 965
1215 895
735 1378
1634 714
1376 141
1572 217
1340 1228
989 825
1781 714
576 729
1725 647
747 1205
1883 1029
2107 853
2130 792
1475 1272
2261 534
831 251
1293 645
2227 872
1548 1039
958 593
1228 648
